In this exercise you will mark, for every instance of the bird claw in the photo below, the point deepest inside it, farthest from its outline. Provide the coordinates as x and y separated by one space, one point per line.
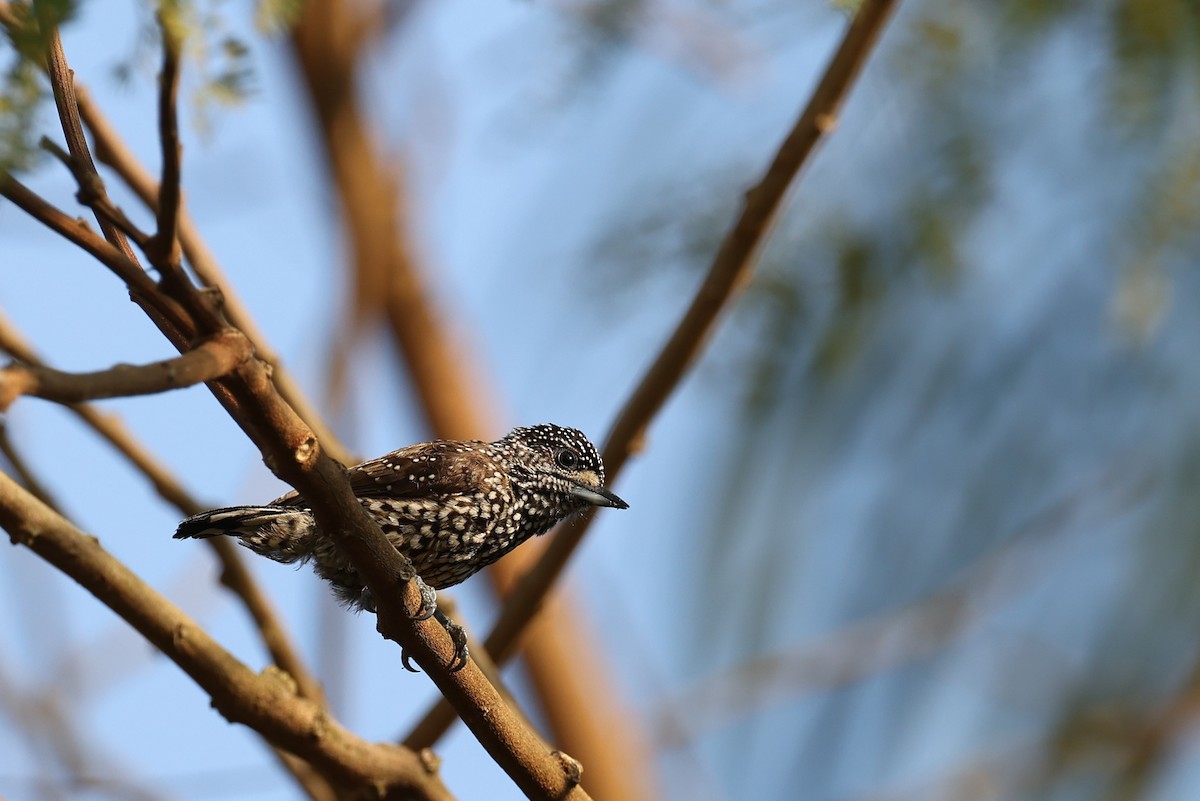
428 607
458 635
426 610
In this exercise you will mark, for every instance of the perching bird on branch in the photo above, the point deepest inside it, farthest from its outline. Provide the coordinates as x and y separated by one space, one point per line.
452 507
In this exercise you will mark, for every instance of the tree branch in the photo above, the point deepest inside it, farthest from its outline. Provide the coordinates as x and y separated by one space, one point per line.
294 454
181 329
266 702
112 151
56 727
91 194
234 574
730 270
78 232
26 476
62 83
209 360
390 286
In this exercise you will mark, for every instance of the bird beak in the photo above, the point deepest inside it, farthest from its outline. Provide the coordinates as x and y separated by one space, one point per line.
598 497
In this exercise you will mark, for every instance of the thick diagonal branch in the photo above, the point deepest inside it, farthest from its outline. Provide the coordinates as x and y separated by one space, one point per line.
567 672
211 359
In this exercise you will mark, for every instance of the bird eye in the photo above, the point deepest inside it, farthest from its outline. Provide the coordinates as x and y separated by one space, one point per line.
567 459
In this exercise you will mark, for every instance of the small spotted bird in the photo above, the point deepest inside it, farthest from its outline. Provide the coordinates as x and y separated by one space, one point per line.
452 507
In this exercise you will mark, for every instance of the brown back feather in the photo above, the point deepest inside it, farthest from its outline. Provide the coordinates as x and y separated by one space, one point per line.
427 470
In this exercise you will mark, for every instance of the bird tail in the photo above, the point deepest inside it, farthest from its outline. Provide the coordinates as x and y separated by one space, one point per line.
281 533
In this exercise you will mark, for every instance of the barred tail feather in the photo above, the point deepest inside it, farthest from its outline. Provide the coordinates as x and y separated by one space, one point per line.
278 532
230 520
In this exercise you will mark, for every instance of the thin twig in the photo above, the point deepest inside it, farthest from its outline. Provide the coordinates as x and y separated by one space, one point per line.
90 194
112 151
26 476
104 206
730 270
211 359
62 82
78 232
164 249
204 313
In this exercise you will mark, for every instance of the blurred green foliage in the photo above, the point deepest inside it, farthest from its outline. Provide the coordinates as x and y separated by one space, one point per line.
218 63
21 92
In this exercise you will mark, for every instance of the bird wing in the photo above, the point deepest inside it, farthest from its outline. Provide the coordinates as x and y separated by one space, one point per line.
439 468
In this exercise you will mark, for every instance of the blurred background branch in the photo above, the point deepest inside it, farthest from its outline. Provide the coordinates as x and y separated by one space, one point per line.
731 267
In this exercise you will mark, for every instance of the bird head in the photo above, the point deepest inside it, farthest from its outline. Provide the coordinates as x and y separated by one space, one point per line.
565 459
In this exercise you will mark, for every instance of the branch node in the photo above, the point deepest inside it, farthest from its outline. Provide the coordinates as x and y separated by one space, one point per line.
320 726
280 676
13 384
213 297
306 451
52 147
25 535
431 762
91 188
164 252
572 769
827 123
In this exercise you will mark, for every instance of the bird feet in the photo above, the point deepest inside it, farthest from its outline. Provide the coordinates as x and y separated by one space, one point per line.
458 635
428 607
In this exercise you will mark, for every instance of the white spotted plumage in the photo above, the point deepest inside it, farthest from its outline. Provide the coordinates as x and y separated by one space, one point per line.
452 507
